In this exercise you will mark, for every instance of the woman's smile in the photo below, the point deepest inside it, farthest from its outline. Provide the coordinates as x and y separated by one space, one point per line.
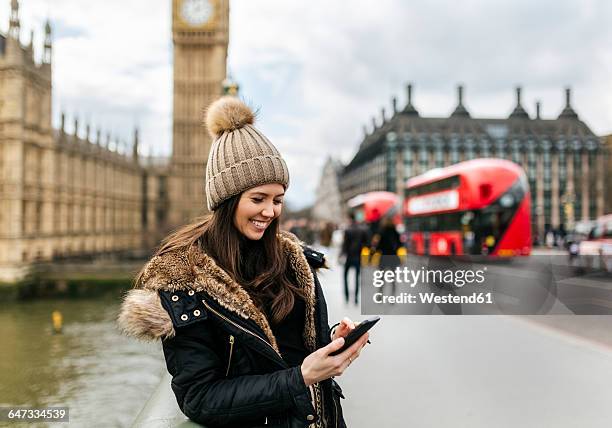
260 225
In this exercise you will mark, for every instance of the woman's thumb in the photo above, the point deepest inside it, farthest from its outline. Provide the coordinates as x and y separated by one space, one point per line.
334 345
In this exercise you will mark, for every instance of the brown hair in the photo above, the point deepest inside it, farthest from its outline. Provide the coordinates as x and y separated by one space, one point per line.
260 267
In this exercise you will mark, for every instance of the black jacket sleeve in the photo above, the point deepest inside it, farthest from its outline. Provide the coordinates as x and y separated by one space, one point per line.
207 397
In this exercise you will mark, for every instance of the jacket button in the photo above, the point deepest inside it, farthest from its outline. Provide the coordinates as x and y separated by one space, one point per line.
175 298
184 317
310 417
191 292
196 312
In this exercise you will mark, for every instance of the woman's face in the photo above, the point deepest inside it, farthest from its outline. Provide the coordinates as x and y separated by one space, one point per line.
257 208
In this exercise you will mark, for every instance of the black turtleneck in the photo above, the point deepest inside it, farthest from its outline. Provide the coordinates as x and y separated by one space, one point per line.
289 334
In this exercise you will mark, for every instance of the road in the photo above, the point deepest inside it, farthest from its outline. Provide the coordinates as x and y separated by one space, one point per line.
477 371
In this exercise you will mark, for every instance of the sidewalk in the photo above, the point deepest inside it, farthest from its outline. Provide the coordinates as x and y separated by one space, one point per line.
545 251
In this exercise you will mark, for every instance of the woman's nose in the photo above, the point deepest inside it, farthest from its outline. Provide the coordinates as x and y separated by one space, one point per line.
268 211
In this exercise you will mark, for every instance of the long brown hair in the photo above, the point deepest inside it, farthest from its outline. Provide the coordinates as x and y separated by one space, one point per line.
260 267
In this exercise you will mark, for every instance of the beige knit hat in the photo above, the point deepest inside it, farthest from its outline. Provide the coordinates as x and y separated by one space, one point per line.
241 157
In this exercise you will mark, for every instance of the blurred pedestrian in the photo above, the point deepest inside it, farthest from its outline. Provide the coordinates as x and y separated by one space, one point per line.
388 244
355 238
326 234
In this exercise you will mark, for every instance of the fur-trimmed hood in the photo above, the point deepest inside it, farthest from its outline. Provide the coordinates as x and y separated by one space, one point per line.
143 316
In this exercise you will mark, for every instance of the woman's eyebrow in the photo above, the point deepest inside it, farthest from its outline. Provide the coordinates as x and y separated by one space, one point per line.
266 194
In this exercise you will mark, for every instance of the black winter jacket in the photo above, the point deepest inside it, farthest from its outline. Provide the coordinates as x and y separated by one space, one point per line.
225 364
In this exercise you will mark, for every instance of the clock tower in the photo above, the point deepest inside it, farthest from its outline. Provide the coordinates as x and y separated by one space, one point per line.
200 34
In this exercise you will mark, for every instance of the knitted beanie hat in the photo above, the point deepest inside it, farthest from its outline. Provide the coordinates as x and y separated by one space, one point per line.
241 157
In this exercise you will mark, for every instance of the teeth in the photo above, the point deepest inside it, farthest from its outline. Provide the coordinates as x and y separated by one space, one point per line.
259 224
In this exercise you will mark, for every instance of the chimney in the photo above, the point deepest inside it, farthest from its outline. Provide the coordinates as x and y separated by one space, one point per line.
14 22
519 112
47 47
568 112
460 110
409 109
135 145
538 107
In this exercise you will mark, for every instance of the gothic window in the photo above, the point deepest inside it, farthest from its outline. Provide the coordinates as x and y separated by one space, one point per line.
577 181
407 161
516 153
454 151
38 217
439 155
484 149
423 155
69 224
469 149
562 169
592 159
56 217
499 145
546 164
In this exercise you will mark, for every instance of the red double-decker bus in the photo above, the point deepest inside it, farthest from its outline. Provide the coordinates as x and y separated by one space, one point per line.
476 207
373 206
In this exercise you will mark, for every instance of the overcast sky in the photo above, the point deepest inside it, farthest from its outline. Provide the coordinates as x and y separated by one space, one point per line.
319 70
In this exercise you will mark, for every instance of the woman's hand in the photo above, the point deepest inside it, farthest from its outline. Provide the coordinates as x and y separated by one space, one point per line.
344 328
320 365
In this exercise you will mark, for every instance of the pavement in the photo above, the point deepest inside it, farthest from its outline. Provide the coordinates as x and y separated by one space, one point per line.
476 371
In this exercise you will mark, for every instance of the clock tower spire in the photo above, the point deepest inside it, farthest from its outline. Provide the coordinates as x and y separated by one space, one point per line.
200 34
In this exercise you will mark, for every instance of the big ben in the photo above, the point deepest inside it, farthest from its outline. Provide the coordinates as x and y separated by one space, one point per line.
200 33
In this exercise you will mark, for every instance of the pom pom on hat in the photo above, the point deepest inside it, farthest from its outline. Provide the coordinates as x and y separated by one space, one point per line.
227 114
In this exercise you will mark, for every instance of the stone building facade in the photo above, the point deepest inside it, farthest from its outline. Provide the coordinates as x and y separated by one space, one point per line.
81 194
563 158
328 201
61 195
607 142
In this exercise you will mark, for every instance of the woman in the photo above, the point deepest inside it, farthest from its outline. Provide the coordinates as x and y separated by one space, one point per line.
237 303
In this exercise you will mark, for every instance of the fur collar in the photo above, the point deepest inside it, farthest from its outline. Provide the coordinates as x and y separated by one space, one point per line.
142 315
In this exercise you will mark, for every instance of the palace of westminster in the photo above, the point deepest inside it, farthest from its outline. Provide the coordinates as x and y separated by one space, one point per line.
66 195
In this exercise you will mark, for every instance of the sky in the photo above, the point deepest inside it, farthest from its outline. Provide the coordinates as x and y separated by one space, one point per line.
320 70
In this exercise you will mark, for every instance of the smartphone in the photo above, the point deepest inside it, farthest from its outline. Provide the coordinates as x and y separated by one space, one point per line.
354 335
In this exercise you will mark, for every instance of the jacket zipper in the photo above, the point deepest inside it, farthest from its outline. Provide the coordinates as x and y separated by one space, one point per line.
229 360
238 326
335 409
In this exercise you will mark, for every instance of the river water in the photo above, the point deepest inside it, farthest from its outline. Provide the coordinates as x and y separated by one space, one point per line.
103 377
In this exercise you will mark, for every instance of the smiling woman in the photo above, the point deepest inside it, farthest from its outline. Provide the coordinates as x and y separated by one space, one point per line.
237 303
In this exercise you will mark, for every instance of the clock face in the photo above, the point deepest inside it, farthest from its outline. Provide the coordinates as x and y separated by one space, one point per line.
196 12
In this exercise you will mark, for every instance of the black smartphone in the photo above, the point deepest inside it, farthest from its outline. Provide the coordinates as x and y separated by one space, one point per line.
354 335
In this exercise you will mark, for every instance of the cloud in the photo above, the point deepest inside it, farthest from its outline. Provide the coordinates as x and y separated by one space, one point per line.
320 70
